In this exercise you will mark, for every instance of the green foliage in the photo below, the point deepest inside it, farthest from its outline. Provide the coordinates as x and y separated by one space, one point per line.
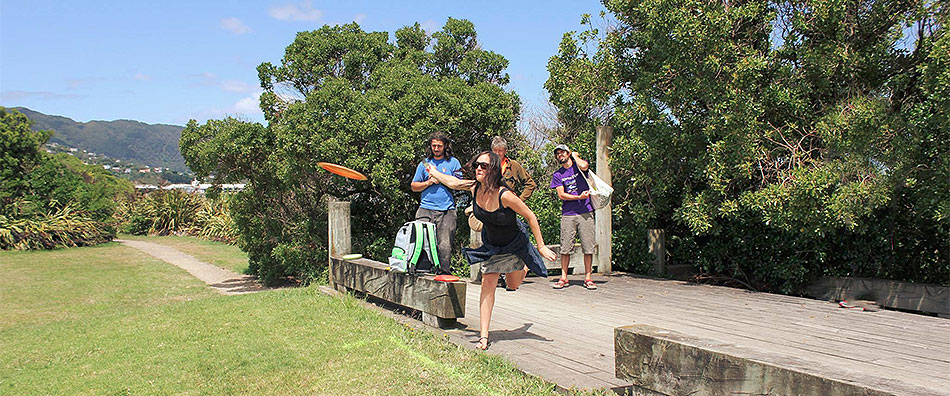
48 201
64 179
176 212
19 154
213 221
60 229
775 141
350 97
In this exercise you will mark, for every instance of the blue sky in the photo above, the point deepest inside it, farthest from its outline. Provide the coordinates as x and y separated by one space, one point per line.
168 62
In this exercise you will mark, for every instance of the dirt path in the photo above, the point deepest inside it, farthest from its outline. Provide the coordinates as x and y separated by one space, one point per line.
222 280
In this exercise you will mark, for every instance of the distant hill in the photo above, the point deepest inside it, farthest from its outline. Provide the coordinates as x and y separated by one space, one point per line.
147 144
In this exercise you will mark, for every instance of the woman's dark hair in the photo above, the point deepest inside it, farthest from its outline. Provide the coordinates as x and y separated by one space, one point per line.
442 137
493 179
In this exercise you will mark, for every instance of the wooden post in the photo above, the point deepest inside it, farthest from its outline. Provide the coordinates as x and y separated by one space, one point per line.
656 243
338 231
603 218
474 241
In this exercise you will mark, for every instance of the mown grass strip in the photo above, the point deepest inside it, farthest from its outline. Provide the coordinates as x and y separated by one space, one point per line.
109 320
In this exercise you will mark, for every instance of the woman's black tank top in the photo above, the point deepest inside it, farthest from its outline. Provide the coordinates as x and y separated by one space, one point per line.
499 226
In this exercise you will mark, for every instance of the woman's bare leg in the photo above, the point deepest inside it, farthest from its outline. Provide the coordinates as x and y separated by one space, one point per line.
486 301
513 279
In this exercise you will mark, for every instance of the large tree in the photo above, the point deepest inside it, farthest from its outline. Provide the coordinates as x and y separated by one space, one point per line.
776 140
350 97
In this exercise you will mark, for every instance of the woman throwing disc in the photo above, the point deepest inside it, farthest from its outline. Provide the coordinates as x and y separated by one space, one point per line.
506 248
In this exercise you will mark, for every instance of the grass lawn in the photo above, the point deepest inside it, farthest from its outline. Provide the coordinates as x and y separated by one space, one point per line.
216 253
110 320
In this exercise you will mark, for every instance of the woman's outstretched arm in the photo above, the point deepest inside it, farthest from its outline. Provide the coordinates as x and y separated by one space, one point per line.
449 180
510 200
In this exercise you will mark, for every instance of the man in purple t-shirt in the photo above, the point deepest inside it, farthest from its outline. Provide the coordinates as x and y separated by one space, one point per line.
577 213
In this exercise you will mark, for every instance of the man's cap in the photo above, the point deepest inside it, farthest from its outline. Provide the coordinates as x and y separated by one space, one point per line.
561 147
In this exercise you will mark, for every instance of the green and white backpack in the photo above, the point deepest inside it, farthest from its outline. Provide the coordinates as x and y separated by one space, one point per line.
415 248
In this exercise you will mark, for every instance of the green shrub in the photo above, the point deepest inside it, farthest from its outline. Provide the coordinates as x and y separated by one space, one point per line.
48 201
166 212
213 221
60 229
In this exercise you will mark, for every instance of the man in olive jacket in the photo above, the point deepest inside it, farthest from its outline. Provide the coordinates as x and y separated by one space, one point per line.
512 172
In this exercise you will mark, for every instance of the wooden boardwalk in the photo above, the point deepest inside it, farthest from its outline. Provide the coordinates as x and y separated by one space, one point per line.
567 336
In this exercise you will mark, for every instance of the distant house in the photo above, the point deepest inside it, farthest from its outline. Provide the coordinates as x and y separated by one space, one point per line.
127 170
72 150
158 170
145 170
107 167
202 187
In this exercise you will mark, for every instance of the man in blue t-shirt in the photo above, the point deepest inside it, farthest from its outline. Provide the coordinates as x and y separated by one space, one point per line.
437 204
577 213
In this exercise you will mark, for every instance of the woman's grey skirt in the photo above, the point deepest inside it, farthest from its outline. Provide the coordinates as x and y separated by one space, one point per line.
502 263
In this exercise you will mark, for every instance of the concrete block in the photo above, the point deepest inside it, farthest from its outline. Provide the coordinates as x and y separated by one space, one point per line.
672 364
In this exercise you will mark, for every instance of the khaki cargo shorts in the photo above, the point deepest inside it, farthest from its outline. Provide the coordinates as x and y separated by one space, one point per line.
571 226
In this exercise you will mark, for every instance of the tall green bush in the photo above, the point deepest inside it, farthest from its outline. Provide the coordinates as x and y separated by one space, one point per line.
775 141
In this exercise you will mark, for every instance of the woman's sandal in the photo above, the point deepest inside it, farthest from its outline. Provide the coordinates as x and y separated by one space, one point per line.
482 343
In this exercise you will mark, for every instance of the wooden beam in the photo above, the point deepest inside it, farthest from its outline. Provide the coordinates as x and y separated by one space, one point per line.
442 300
603 218
887 293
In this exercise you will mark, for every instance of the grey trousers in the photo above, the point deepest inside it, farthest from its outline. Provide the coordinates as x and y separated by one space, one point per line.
445 233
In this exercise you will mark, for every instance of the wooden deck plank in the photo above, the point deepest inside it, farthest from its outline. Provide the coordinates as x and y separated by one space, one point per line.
566 336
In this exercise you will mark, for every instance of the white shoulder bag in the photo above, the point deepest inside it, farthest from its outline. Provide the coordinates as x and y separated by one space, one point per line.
599 190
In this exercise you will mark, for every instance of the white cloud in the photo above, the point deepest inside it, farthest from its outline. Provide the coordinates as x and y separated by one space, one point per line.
234 25
246 109
249 106
142 77
303 11
238 86
359 18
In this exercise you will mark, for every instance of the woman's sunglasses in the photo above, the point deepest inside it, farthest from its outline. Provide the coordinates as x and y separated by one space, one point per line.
481 165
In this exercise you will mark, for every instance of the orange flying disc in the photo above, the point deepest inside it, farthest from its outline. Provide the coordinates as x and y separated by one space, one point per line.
446 278
342 171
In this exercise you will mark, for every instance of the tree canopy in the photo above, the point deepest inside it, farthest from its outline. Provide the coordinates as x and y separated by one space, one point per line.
775 141
347 96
